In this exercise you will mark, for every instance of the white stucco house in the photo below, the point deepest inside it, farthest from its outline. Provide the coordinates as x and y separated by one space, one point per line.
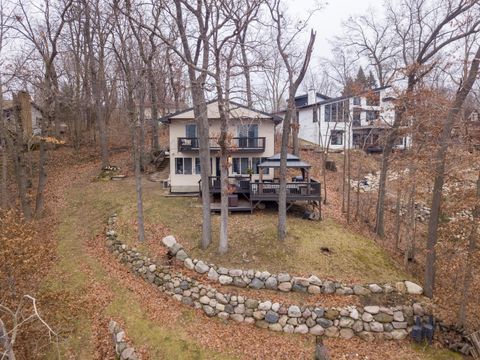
349 121
253 136
30 113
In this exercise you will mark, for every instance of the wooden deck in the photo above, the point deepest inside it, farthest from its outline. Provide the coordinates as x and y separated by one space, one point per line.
243 206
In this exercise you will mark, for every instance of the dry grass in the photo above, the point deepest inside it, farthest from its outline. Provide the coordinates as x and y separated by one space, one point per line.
252 238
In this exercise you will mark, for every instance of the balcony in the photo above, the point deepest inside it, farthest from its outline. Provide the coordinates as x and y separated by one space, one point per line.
237 144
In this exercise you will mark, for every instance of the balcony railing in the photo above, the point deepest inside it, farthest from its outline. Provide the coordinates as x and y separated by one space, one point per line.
236 144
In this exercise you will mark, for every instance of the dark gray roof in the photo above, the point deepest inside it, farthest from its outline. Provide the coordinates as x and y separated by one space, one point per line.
292 162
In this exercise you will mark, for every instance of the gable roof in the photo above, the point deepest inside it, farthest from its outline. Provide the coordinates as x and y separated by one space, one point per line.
237 111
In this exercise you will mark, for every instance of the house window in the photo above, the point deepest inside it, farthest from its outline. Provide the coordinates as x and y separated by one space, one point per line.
357 100
315 115
255 162
356 115
373 115
183 166
373 99
336 137
248 136
337 112
198 169
240 166
191 130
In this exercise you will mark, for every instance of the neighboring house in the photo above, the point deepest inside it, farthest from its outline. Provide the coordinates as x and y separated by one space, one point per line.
29 113
348 121
253 135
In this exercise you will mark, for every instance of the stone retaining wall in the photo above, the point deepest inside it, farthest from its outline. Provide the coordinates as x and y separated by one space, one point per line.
366 322
123 351
282 282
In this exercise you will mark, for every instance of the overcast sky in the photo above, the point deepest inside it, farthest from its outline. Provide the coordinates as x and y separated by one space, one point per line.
327 22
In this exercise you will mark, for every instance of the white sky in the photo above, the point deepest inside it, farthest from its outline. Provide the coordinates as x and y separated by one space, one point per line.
327 21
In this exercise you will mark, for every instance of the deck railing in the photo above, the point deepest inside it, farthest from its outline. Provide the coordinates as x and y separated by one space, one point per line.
237 144
295 190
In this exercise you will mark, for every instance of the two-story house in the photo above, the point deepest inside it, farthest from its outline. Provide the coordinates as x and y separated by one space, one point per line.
349 121
252 135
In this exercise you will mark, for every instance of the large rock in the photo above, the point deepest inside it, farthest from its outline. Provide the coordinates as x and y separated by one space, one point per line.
285 286
331 314
383 318
366 336
225 279
189 264
375 288
235 272
282 277
332 331
301 329
346 333
271 317
181 255
346 322
201 267
376 326
413 288
399 334
168 241
360 290
271 283
294 311
212 274
251 303
257 283
317 330
367 317
372 309
266 305
328 287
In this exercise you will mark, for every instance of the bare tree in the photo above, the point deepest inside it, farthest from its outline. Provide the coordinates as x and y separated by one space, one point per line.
422 37
295 78
439 160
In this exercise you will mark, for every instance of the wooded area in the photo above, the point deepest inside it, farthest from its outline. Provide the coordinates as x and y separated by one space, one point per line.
86 82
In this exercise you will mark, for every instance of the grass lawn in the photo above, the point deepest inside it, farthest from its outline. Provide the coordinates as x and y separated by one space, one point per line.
76 271
252 238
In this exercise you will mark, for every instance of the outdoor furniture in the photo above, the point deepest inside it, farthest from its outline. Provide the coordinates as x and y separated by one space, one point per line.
232 200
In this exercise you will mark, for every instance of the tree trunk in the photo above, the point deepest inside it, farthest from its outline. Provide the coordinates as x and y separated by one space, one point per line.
246 71
154 106
294 130
223 243
3 150
138 185
439 161
472 247
398 218
42 178
282 195
20 168
200 111
324 173
349 177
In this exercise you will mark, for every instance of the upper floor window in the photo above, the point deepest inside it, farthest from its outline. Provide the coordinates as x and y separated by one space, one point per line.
191 130
373 99
315 115
357 100
337 112
248 131
373 115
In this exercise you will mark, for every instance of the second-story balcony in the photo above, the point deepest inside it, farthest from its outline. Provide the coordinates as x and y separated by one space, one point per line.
236 144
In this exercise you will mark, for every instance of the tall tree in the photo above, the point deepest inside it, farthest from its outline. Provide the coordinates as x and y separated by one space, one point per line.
423 37
296 72
439 160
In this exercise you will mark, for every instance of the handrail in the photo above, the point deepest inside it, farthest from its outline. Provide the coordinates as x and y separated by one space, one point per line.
237 144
